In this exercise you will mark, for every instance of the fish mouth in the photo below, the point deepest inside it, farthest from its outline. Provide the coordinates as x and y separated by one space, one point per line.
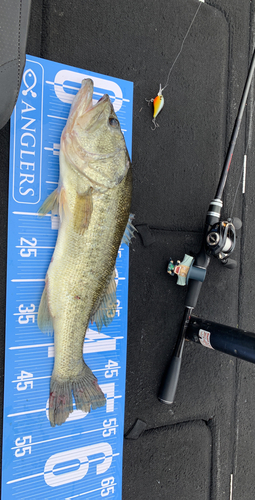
90 116
83 109
85 97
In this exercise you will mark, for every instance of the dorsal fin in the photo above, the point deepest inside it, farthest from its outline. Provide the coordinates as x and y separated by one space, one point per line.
107 308
129 231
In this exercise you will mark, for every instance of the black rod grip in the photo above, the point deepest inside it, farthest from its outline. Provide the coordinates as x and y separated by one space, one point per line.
168 388
170 380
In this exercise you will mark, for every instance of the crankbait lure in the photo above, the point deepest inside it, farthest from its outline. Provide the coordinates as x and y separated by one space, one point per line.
158 104
158 101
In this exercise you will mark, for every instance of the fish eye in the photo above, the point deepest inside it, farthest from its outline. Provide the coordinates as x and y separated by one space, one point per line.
113 122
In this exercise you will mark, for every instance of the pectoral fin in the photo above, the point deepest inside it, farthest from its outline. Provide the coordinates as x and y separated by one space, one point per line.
50 204
83 211
107 308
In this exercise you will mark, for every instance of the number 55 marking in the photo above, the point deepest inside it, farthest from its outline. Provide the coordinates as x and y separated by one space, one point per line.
20 452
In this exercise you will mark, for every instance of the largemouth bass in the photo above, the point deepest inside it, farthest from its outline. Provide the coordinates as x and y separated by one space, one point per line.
93 199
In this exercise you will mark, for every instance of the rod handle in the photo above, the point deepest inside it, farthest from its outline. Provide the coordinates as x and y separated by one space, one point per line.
168 388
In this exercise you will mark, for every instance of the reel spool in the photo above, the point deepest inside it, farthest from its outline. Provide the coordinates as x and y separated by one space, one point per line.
221 241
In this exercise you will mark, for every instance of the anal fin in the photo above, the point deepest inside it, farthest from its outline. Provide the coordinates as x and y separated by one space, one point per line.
105 313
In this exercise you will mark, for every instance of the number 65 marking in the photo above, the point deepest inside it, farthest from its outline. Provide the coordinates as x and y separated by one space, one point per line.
105 483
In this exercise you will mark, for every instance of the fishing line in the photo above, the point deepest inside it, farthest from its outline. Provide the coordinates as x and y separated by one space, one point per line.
180 51
158 101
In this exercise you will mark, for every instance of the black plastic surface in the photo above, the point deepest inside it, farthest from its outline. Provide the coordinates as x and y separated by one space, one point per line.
14 19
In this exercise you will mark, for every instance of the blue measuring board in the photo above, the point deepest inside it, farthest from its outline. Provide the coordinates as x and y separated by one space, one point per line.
83 457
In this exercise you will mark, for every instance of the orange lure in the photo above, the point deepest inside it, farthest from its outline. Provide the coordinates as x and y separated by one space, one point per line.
158 104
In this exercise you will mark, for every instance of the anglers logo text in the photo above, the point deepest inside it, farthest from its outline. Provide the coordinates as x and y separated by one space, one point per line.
27 150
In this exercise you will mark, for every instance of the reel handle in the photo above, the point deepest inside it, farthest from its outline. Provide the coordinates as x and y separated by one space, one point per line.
194 286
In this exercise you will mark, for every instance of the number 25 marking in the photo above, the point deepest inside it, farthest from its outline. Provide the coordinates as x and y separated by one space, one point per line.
27 252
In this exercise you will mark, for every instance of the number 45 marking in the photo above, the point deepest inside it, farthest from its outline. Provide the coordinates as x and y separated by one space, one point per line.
112 369
23 385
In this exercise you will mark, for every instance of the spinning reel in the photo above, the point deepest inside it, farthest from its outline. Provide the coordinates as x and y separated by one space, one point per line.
221 240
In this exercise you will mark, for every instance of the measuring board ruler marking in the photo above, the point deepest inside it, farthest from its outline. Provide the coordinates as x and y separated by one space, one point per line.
83 457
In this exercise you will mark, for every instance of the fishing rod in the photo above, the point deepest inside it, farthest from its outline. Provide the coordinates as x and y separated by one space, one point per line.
219 241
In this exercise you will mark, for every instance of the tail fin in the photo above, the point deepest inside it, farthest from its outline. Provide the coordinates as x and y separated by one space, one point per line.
86 391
